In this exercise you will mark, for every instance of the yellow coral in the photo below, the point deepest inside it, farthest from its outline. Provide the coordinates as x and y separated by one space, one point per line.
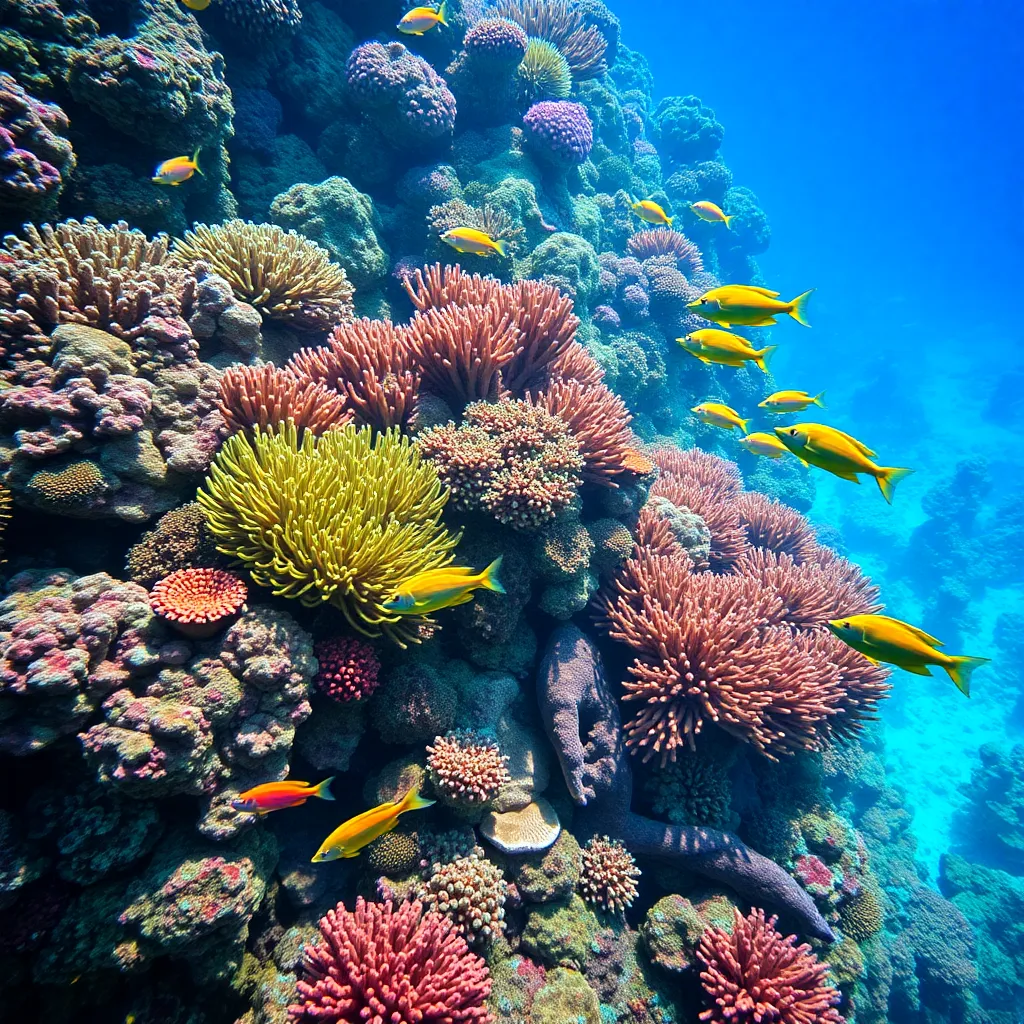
862 916
544 73
284 275
342 518
67 490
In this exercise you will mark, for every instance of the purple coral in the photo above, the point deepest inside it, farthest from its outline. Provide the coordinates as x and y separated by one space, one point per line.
559 132
496 42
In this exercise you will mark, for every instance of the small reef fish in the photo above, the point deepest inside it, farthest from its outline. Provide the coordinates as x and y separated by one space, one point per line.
719 415
881 638
350 837
768 445
177 170
443 588
792 401
196 5
471 240
421 20
839 454
713 346
711 212
276 796
747 306
649 211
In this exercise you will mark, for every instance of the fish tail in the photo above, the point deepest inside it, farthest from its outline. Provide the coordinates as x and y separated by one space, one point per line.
324 789
412 801
727 218
195 161
819 399
489 577
799 310
502 246
960 669
668 221
442 13
888 477
765 357
745 426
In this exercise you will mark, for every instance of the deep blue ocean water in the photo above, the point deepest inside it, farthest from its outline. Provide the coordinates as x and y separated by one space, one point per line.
883 140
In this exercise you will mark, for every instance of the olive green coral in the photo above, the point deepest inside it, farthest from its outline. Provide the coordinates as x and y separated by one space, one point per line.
342 519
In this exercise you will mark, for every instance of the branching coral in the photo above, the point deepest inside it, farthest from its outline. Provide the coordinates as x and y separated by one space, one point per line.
285 276
776 527
665 242
608 875
466 770
563 25
341 519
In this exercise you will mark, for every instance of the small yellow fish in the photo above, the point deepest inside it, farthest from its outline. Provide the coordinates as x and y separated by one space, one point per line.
718 415
767 445
748 306
471 240
881 638
649 211
421 20
839 454
435 589
196 5
711 212
792 401
710 345
177 170
350 837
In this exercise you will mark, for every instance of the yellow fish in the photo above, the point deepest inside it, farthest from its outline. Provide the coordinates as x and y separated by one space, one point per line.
747 306
435 589
471 240
649 211
791 401
177 170
719 415
196 5
422 19
767 445
839 454
881 638
350 837
711 212
713 346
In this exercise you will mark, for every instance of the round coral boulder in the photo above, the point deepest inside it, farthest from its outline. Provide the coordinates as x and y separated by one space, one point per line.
559 132
348 668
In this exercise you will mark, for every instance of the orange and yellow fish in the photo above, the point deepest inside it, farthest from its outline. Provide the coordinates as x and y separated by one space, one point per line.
177 170
435 589
421 20
649 211
711 212
766 445
276 796
710 345
748 306
350 837
718 415
474 241
196 5
792 401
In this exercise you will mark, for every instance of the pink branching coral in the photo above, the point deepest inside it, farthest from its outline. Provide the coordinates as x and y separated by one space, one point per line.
381 963
776 527
575 363
546 326
666 242
466 769
608 875
198 602
348 668
756 975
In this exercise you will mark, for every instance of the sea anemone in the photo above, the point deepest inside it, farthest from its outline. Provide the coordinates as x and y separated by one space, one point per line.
544 73
199 602
665 242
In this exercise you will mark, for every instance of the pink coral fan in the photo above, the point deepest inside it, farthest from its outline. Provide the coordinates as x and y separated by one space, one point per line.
198 602
776 527
608 875
466 769
384 963
666 242
348 668
755 974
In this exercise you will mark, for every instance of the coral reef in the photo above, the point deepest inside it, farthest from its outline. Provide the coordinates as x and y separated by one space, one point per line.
608 875
466 770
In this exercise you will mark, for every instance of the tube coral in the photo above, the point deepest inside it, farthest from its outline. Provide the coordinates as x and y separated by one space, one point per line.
665 242
198 602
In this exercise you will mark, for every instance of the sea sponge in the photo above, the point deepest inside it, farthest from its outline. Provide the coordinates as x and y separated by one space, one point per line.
342 519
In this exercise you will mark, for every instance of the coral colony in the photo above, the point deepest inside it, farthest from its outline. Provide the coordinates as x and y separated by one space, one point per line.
242 408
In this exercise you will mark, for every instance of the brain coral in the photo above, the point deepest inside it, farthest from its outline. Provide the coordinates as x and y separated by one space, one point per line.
341 519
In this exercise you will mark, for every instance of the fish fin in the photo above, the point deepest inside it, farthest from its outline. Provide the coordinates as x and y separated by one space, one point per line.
852 477
412 801
874 661
490 576
913 630
765 357
917 670
502 246
668 221
756 288
807 465
799 308
350 856
727 219
442 13
888 478
324 789
961 669
819 399
859 445
745 426
766 322
195 161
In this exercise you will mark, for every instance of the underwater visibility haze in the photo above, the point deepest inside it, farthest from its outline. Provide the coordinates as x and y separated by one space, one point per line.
437 586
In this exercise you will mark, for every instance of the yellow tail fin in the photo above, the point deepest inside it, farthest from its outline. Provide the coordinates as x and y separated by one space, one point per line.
888 477
668 221
195 161
412 801
442 13
799 310
728 220
764 357
324 789
819 399
490 576
961 669
502 246
744 426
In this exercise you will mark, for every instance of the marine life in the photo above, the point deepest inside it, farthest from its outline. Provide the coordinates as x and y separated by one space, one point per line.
351 836
474 241
881 638
718 415
748 306
839 454
177 169
435 589
276 796
711 212
792 401
768 445
713 346
421 20
649 211
196 5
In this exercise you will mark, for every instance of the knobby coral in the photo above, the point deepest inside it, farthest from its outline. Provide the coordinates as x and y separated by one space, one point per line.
665 242
348 668
608 875
466 769
471 892
199 602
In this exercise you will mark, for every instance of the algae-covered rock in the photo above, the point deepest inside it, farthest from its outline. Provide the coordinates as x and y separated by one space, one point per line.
566 997
550 875
562 933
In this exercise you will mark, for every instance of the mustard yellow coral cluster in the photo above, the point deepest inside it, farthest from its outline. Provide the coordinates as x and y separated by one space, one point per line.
342 519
